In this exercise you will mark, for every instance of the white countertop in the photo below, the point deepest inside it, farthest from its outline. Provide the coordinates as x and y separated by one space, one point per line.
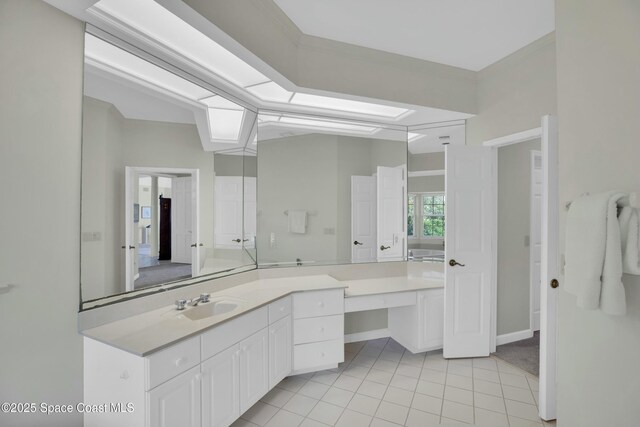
154 330
385 285
151 331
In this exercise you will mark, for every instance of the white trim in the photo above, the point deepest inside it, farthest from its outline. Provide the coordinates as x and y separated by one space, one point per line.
514 336
494 254
367 335
437 172
515 138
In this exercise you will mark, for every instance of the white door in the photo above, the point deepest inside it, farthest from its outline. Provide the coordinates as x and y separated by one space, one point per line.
228 212
363 219
280 349
250 219
391 218
254 369
549 295
129 244
469 219
535 237
176 402
181 218
220 392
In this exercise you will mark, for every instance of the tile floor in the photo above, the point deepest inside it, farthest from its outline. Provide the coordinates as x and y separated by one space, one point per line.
381 384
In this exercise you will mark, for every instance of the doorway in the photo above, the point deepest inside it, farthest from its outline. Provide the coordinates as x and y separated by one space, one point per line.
161 227
549 212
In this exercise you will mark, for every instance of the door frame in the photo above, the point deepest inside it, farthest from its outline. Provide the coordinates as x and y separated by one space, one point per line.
128 211
547 133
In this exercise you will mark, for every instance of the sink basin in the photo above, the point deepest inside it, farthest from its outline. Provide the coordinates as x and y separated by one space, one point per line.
209 309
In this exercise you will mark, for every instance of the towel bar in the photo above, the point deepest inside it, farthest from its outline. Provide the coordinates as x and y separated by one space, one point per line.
633 200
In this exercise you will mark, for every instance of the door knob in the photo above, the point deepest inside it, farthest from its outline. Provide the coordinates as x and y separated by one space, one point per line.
383 247
355 242
554 283
236 240
453 263
245 240
131 247
194 245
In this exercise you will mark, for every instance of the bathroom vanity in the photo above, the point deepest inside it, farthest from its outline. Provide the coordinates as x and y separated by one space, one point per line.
205 366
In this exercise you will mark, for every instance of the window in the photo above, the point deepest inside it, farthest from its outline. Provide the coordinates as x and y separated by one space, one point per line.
425 215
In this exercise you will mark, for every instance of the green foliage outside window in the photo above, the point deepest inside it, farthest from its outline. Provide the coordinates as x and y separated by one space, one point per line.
433 215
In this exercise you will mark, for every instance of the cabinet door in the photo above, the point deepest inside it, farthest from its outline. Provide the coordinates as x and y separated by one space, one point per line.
431 318
280 349
176 402
254 368
220 392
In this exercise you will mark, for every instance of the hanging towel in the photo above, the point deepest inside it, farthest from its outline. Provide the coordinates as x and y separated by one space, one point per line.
630 239
593 253
297 221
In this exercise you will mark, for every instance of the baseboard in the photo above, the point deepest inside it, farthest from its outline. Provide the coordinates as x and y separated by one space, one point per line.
367 335
514 336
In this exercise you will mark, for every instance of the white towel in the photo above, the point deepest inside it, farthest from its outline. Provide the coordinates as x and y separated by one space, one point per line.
593 253
630 239
297 221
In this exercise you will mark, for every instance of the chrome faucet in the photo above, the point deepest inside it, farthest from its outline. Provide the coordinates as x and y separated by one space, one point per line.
201 298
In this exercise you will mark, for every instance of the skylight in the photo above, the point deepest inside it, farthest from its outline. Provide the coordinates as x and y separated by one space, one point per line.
225 125
158 23
154 23
106 54
315 124
347 105
271 91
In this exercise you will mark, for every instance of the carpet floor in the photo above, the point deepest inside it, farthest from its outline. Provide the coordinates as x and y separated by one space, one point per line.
162 273
524 354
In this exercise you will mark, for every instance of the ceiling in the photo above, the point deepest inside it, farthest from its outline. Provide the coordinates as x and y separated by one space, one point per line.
469 34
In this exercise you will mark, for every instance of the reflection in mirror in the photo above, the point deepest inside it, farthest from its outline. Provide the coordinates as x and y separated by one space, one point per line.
331 191
250 200
426 200
151 174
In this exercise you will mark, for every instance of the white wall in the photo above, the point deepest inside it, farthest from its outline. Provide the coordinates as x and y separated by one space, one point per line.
598 105
514 180
41 52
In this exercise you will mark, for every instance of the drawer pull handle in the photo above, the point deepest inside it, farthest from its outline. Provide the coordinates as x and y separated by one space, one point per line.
322 329
281 309
322 354
181 361
321 304
124 375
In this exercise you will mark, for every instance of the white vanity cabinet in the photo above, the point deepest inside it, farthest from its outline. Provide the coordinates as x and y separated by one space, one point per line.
318 330
280 340
176 402
221 388
419 327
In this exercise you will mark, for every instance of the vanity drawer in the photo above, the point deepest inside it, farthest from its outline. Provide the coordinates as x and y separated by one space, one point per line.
166 364
373 302
318 354
227 334
314 329
279 309
318 303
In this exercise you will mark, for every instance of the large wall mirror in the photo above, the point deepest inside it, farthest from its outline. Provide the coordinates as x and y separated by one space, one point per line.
330 192
168 179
